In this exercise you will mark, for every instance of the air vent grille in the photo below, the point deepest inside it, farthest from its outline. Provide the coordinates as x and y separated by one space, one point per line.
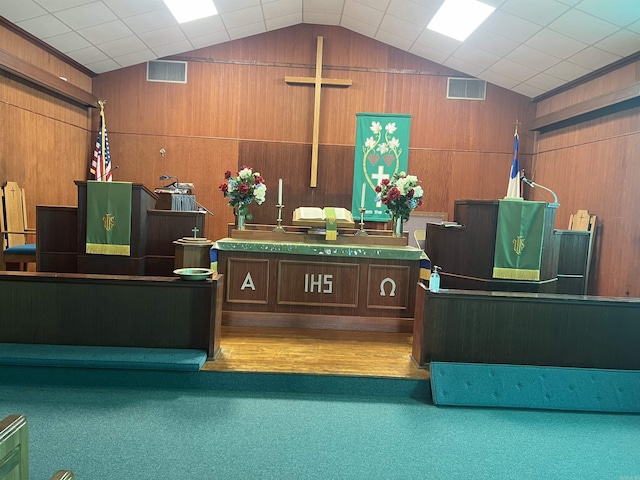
466 89
167 71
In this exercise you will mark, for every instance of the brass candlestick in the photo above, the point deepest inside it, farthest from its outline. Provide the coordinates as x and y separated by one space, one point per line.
279 220
361 232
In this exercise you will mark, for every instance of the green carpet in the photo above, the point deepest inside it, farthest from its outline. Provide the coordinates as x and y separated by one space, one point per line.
148 425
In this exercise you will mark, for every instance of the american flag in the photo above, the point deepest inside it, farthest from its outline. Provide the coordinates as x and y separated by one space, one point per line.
101 162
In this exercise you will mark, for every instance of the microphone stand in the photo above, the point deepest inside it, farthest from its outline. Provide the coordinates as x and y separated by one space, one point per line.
535 185
199 205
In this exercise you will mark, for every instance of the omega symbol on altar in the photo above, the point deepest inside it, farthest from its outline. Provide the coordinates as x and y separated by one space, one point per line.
321 283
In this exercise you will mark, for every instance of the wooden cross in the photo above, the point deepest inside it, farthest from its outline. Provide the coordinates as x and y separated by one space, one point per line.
318 82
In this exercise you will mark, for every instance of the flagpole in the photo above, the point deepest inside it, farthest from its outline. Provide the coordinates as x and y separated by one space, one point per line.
102 136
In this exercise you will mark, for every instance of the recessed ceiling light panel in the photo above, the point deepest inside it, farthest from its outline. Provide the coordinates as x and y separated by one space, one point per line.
458 18
188 10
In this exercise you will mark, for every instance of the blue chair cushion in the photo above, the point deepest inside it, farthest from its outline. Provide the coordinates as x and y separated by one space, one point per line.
28 249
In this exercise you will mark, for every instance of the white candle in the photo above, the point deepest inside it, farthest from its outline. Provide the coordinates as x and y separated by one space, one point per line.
280 192
363 192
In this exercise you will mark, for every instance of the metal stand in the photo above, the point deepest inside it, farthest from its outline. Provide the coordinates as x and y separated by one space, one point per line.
279 221
361 232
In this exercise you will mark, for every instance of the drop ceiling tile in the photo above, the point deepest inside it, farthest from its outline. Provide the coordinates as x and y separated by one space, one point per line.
363 13
541 12
226 6
240 18
210 39
571 3
88 55
128 8
475 56
593 58
490 42
634 27
527 90
145 22
281 8
56 5
44 26
620 12
507 25
163 36
429 53
358 26
463 67
18 11
106 32
555 43
321 18
334 7
438 42
247 30
394 40
411 12
172 48
68 42
103 66
498 79
567 71
401 27
86 15
122 46
583 27
623 42
377 4
533 58
514 70
544 81
283 21
135 58
203 26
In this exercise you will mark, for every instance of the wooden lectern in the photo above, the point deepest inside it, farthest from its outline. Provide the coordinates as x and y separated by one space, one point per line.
62 240
465 250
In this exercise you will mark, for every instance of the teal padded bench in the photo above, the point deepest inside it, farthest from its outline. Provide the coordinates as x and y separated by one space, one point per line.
535 387
22 354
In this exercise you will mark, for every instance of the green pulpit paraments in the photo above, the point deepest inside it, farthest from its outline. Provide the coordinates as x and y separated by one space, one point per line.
519 235
108 218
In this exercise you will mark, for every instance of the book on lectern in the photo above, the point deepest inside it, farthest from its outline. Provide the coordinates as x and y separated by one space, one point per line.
317 217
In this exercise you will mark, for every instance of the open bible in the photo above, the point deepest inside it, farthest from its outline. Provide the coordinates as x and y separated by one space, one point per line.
317 217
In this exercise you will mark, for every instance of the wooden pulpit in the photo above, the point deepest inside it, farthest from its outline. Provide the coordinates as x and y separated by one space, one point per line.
465 250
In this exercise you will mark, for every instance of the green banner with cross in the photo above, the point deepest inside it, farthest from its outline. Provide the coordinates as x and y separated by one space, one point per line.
382 149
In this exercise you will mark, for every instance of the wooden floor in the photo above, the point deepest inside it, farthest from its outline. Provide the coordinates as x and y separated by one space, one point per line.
320 352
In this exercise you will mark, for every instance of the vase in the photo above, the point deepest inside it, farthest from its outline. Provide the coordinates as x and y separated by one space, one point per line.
240 220
397 227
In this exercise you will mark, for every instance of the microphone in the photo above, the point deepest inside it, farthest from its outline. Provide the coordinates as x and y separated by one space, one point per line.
107 173
535 186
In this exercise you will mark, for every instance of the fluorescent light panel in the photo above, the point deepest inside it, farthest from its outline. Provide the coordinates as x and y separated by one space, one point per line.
458 18
187 10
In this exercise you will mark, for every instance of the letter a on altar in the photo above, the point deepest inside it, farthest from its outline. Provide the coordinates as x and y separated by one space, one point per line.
248 282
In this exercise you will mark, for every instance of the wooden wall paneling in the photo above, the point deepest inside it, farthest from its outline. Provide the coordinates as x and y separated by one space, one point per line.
566 162
292 163
610 82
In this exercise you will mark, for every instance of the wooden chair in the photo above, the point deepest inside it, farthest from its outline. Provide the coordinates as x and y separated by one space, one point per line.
575 251
15 235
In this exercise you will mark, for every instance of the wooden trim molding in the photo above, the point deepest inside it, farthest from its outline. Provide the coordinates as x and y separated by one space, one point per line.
595 107
18 67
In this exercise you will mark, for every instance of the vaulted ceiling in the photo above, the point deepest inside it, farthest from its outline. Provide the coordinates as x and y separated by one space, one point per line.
528 46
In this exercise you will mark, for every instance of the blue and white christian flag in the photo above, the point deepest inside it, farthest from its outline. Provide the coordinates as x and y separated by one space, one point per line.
513 191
